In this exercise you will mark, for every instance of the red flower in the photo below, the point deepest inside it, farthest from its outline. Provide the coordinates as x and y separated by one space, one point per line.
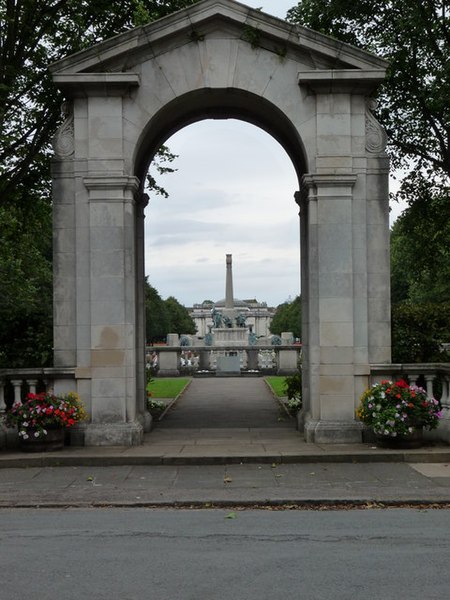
401 383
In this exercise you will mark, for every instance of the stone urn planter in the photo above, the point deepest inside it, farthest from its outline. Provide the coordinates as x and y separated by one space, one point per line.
402 441
53 440
42 420
397 413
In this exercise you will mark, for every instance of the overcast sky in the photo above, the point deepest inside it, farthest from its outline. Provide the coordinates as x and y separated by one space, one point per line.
232 194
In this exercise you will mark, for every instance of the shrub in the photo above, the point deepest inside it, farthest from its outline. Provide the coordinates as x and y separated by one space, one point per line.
418 332
293 389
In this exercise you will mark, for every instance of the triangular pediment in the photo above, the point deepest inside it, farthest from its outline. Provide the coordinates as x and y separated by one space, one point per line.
212 18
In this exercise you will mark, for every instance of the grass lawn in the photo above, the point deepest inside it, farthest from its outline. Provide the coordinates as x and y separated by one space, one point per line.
167 387
277 384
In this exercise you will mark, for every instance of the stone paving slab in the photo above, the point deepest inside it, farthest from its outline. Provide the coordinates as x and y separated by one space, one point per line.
239 484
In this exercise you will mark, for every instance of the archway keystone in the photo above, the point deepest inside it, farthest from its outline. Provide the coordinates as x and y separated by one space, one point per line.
125 97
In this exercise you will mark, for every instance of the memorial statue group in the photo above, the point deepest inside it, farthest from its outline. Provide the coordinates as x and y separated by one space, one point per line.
220 320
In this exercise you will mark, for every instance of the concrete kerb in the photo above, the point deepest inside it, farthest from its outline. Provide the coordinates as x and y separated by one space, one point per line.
267 504
117 457
174 400
281 401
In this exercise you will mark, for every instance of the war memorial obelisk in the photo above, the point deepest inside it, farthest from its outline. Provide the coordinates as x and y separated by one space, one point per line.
229 298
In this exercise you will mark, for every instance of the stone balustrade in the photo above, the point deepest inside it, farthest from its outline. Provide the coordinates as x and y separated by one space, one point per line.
174 360
434 377
15 384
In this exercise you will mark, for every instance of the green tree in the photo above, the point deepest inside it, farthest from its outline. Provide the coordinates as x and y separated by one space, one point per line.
179 319
156 315
420 251
33 34
414 37
25 286
288 317
418 332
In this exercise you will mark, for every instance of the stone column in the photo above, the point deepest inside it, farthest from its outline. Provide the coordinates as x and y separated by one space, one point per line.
204 362
301 198
2 397
229 298
112 311
329 322
65 221
252 359
142 413
17 385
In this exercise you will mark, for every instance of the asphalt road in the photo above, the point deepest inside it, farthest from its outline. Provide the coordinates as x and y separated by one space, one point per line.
158 554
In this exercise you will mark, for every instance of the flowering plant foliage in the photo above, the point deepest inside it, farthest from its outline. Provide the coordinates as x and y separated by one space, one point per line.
45 410
393 408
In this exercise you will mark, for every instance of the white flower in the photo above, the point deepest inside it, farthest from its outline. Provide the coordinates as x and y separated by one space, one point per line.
36 434
25 424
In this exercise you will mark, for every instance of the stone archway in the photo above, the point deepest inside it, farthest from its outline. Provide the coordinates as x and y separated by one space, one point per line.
125 96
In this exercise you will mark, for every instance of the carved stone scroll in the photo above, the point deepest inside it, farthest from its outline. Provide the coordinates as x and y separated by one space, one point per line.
376 137
63 140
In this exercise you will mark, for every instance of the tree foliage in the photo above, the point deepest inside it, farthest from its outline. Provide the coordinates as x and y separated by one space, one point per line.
420 280
418 332
156 315
25 286
414 37
420 251
179 319
164 316
33 34
288 317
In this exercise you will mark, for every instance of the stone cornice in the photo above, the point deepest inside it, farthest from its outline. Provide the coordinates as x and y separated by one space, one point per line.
351 81
80 85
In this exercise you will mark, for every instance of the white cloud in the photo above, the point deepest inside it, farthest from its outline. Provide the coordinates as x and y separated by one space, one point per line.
232 193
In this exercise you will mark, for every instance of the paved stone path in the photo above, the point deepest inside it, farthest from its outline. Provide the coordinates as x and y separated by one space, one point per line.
227 402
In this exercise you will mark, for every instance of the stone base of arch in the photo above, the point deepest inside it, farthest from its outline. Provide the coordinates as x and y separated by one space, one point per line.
107 434
332 432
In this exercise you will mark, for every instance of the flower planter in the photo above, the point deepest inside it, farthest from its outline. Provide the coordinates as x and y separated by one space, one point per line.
54 440
401 441
401 411
44 412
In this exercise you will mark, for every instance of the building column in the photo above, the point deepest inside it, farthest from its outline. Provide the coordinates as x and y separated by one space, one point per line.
328 318
112 311
141 339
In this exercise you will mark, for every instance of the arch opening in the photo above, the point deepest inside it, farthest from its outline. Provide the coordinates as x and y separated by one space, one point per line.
210 103
233 193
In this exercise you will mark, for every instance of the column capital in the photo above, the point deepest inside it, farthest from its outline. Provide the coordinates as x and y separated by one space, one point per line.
326 184
310 180
110 188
